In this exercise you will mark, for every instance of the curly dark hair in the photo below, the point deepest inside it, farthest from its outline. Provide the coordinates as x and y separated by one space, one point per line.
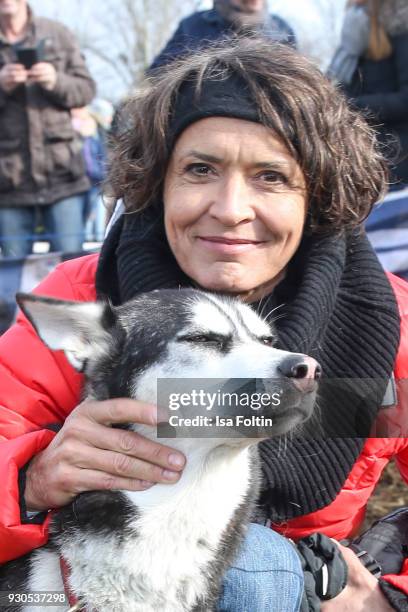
344 168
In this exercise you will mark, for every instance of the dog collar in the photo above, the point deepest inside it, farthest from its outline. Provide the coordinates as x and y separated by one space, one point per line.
75 604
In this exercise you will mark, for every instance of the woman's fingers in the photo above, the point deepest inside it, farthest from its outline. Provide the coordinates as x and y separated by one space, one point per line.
123 466
131 443
120 410
95 480
87 454
89 424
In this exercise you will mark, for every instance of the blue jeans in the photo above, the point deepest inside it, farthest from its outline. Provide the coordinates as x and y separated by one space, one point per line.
266 576
63 223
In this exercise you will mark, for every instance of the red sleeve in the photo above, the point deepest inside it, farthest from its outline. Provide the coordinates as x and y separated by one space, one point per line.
16 539
400 288
38 388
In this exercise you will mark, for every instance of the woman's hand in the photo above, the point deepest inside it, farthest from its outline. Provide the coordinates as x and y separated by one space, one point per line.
362 592
88 455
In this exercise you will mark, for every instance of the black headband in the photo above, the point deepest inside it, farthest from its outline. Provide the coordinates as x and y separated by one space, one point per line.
226 97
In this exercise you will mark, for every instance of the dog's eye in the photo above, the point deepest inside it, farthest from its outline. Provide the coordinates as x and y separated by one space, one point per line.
216 340
268 340
201 338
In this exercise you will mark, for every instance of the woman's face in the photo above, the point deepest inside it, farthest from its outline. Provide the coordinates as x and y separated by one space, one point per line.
235 206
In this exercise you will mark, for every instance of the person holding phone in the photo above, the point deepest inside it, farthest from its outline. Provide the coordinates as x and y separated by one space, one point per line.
42 77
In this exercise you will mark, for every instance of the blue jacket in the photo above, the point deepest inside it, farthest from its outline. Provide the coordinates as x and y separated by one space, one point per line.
205 27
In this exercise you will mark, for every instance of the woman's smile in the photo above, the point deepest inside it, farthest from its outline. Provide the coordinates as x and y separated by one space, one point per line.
229 246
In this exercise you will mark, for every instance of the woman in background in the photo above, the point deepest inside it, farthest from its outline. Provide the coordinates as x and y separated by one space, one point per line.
371 65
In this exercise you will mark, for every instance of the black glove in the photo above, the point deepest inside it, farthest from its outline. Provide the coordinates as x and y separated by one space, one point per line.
325 571
386 541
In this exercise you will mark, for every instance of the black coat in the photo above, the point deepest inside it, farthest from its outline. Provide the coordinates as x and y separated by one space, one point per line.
382 88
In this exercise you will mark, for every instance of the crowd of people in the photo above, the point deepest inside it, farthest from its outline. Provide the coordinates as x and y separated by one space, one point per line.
241 169
53 143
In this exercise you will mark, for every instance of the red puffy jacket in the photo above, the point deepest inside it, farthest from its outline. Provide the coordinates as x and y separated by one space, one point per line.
39 387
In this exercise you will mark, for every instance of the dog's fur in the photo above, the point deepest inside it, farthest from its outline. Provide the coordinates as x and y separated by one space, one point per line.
166 548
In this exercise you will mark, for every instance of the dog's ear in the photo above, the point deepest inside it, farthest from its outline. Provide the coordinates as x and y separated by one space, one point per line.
80 329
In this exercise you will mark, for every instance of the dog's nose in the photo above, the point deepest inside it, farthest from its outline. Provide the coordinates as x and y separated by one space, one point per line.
302 370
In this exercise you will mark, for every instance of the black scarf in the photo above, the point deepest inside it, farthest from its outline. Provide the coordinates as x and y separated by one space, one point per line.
339 308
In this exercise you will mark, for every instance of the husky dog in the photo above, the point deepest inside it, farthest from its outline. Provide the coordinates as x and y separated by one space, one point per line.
168 547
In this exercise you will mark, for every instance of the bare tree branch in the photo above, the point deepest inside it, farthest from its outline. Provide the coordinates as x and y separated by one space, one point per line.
127 34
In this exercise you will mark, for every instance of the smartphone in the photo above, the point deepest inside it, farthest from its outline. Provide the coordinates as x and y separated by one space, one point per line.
28 56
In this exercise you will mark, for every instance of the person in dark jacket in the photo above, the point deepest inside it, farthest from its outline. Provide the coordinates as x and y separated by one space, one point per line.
371 64
42 77
226 18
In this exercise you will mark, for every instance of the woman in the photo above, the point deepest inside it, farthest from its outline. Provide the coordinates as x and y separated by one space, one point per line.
371 65
244 172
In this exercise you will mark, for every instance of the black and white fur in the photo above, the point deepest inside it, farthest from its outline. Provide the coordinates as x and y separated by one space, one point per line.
166 548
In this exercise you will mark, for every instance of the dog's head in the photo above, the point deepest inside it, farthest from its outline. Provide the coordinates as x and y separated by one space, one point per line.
125 350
